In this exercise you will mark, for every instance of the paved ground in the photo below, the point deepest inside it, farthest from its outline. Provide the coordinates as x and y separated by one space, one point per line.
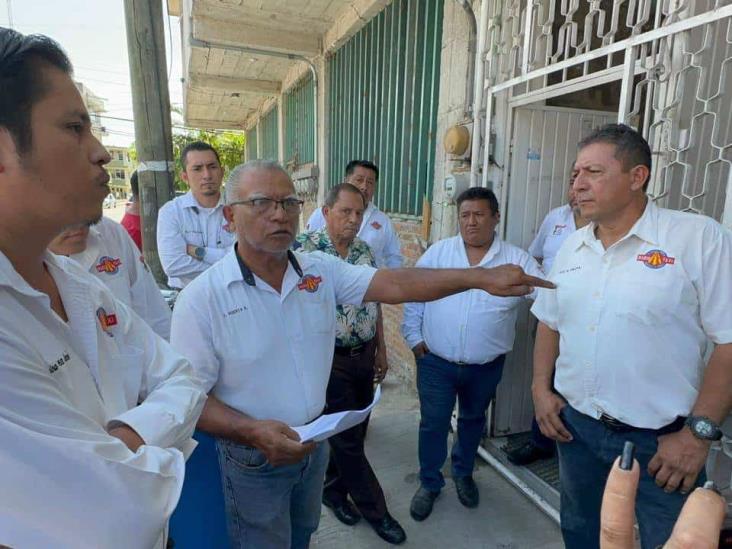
117 212
505 518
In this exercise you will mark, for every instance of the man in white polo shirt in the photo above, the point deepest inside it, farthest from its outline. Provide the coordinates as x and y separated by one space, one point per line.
259 328
376 229
554 230
643 295
192 231
106 251
460 343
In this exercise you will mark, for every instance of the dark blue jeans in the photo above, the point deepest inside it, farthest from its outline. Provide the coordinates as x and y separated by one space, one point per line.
438 383
584 465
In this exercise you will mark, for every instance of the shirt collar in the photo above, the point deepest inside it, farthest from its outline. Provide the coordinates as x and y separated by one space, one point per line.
489 255
236 269
92 250
189 201
645 228
9 277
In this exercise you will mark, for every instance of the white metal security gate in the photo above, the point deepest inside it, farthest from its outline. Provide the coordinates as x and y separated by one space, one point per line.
668 66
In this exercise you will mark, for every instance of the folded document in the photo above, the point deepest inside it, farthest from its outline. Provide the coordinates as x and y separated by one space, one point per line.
328 425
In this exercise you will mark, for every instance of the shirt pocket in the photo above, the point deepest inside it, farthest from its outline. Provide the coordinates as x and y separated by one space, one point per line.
319 313
652 298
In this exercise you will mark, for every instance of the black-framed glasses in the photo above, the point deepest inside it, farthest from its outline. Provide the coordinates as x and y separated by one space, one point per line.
264 205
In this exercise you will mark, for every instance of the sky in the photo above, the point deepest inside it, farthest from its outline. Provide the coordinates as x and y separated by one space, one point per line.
93 34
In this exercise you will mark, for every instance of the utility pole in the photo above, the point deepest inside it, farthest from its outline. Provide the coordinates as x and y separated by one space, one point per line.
151 107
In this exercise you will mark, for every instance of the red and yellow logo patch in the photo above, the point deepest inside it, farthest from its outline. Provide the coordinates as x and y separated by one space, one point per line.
109 265
655 259
106 320
309 283
376 225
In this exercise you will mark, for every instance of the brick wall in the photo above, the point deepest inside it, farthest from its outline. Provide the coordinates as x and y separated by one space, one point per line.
401 361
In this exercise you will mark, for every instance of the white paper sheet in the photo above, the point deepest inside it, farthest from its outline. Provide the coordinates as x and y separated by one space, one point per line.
328 425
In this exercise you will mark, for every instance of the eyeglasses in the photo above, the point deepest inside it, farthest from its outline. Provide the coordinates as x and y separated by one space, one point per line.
261 206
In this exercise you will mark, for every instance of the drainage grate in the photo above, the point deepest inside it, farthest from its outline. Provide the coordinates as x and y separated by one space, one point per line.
546 469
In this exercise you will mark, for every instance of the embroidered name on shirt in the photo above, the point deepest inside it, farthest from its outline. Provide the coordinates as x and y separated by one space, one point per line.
109 265
558 229
52 368
655 259
106 321
309 283
577 268
376 225
235 311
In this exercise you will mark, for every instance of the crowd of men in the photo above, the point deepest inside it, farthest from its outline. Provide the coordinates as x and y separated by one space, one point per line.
273 328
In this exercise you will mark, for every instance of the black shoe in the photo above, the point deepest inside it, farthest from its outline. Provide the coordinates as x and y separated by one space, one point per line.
528 453
345 511
422 503
389 530
467 491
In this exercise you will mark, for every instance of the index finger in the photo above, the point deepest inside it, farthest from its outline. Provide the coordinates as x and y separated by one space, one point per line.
700 521
537 282
617 516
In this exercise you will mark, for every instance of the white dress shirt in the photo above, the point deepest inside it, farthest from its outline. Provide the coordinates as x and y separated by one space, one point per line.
556 227
184 221
66 482
264 353
472 327
376 230
112 256
635 320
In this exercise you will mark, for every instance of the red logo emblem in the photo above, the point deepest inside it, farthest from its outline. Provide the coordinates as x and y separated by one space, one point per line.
376 225
106 320
309 283
109 265
655 259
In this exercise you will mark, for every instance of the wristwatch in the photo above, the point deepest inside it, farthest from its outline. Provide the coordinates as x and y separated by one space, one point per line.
704 428
199 252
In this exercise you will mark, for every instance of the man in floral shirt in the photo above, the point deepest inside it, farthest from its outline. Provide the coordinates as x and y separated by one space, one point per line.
360 357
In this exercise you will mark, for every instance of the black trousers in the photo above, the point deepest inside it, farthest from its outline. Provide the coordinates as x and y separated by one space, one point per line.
351 387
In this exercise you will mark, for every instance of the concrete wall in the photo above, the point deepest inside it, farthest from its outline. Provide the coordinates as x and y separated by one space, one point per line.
450 111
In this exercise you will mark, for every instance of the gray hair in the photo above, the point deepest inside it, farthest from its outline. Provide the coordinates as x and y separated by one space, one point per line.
233 182
332 197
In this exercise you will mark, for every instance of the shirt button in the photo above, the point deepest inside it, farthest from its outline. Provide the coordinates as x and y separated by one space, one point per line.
592 328
596 295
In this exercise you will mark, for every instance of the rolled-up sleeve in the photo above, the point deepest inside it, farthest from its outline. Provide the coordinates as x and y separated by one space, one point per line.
172 246
171 398
63 476
350 281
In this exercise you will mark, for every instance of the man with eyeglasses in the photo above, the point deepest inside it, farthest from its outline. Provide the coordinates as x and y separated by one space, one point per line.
259 328
192 231
376 228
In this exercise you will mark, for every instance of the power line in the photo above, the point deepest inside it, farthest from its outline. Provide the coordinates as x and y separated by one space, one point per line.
178 126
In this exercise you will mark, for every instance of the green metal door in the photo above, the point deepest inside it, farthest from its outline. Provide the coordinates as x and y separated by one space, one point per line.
382 102
299 123
269 134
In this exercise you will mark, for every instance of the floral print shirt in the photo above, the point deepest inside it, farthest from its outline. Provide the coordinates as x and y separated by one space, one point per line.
355 324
